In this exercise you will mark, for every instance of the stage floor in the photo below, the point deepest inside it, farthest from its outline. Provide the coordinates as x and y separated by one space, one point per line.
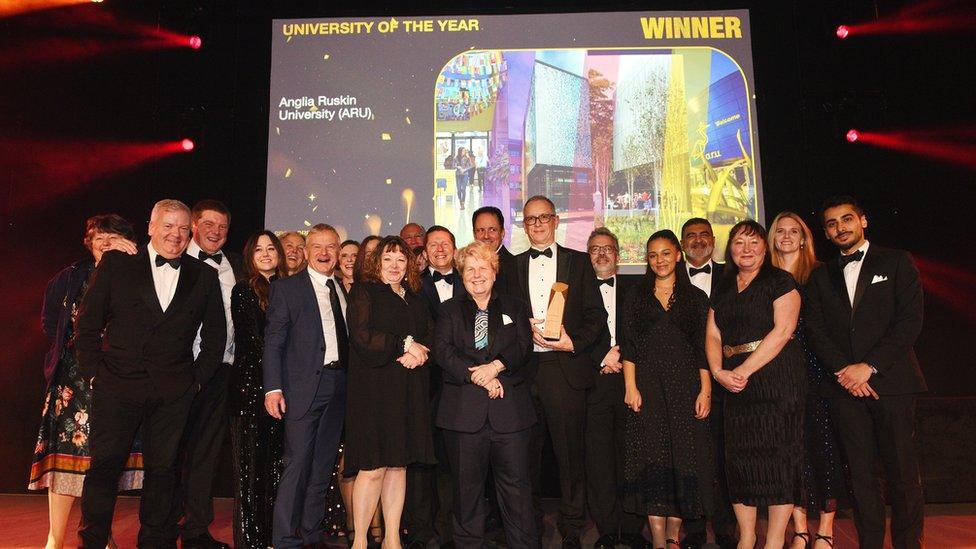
23 524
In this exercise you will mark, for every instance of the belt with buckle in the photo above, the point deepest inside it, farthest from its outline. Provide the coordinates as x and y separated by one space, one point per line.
334 365
729 351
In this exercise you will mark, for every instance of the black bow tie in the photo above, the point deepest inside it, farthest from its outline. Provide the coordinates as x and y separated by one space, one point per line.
608 281
856 256
174 263
217 257
534 253
449 277
707 269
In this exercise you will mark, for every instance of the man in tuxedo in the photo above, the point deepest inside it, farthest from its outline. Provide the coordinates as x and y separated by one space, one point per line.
698 244
306 349
489 227
560 370
294 246
150 306
207 425
413 234
430 489
864 312
606 413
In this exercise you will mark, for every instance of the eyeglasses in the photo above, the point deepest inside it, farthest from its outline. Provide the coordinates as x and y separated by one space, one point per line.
607 250
544 218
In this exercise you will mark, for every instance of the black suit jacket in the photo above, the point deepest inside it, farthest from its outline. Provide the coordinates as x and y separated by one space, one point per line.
139 338
717 270
428 291
881 327
584 319
624 286
465 406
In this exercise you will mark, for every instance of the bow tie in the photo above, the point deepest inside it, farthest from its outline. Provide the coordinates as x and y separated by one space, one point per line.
174 263
217 257
707 269
856 256
449 277
534 253
608 281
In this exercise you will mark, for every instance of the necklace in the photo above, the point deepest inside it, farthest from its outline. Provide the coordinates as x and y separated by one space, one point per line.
401 292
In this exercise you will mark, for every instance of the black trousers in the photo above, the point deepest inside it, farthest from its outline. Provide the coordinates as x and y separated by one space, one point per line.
605 423
882 429
506 455
720 511
119 406
561 410
203 438
430 491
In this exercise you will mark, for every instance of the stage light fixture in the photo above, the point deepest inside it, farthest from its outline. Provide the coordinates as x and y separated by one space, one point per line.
196 42
853 135
187 145
843 31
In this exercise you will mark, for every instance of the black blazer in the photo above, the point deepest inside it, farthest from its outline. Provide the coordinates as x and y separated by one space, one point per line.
881 327
717 270
429 291
624 286
464 406
141 339
584 319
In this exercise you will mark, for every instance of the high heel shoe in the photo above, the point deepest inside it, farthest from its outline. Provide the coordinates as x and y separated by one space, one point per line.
805 536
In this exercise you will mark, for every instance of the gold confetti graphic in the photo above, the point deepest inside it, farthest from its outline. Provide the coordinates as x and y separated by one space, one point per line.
277 130
386 136
288 172
407 198
373 224
308 223
311 196
407 119
326 57
389 181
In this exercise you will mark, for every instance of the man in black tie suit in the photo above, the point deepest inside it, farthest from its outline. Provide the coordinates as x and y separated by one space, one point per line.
489 227
306 349
149 306
561 370
863 313
208 423
698 244
606 412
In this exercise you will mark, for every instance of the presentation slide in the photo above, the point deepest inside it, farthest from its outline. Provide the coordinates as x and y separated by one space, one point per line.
634 121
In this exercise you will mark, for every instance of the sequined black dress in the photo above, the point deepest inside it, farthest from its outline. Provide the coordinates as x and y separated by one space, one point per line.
763 423
667 456
256 436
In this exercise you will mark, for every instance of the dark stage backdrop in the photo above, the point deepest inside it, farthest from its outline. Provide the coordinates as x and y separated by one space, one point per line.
73 88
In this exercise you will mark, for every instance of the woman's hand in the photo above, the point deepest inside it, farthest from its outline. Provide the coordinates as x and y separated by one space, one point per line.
703 405
409 361
418 351
632 398
481 375
495 389
729 379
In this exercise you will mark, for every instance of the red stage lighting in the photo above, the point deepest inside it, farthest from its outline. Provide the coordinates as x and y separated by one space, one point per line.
195 42
853 135
843 31
951 145
187 145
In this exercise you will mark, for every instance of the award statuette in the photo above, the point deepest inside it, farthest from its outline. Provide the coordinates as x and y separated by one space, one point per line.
554 315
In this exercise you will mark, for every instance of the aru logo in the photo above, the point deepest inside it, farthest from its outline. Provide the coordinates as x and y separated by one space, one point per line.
671 28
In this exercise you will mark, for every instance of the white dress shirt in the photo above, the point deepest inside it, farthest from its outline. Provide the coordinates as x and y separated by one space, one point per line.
225 274
445 290
702 281
609 294
322 296
542 275
165 279
853 270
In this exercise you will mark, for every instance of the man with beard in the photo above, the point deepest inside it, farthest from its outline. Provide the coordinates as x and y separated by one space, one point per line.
863 314
698 244
294 245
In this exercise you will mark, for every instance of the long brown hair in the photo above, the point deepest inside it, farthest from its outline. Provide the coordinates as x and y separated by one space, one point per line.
254 278
357 267
372 263
807 261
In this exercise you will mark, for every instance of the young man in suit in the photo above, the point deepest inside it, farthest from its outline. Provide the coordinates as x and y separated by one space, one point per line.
698 244
605 410
306 349
863 314
149 306
560 370
207 426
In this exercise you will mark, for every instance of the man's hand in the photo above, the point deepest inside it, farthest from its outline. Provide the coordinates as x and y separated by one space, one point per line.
564 343
611 362
854 375
481 375
274 403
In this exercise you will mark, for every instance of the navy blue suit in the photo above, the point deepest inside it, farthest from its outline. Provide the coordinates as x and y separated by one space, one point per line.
315 400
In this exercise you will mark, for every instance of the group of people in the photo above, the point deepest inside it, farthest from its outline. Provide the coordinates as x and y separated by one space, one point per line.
400 390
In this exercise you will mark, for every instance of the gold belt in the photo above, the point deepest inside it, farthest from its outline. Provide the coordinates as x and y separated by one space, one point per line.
730 351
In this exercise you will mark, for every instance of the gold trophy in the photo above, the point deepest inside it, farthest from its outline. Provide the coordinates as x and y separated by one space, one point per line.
554 315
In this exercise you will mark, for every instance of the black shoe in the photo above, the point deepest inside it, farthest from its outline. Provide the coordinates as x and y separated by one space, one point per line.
605 541
634 541
416 544
571 542
692 541
726 542
204 541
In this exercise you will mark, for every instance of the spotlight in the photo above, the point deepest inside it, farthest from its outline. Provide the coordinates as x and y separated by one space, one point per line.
853 135
187 145
195 42
843 31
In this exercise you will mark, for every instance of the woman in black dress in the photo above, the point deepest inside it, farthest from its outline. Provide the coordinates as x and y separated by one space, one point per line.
668 386
62 454
256 437
791 242
751 352
388 408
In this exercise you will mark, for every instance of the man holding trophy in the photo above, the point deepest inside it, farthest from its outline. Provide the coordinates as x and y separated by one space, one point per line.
561 288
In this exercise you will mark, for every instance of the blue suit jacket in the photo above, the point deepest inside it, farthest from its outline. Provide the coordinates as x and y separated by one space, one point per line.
294 346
